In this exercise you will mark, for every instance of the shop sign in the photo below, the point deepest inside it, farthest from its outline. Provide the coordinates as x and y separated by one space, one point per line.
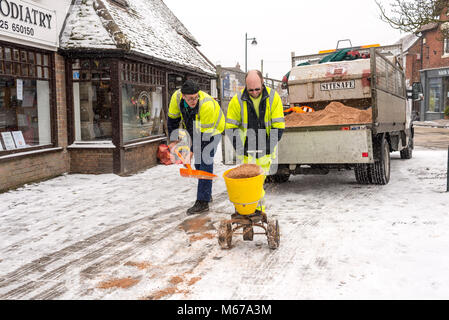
28 21
443 72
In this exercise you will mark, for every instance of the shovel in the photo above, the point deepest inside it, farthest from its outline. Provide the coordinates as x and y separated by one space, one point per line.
195 174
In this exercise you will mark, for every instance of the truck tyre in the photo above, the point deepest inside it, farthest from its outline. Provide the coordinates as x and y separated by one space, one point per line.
281 178
380 170
277 178
407 153
363 173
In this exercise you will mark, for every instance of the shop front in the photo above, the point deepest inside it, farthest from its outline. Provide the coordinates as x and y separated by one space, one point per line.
31 93
124 60
436 93
116 113
117 110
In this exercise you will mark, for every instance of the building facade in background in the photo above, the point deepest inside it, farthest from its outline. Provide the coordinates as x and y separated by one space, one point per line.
231 80
85 85
33 131
427 62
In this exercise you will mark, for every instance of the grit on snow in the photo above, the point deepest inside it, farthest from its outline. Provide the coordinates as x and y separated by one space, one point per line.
110 237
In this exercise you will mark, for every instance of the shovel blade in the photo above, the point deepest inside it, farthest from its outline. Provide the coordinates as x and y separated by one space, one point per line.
197 174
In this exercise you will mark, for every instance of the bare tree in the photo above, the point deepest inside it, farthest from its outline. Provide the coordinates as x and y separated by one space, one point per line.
411 15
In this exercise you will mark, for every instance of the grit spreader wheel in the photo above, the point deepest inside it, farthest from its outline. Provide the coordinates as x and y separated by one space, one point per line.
273 234
225 235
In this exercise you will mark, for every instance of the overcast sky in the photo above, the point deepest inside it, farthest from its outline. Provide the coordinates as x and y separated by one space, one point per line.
280 27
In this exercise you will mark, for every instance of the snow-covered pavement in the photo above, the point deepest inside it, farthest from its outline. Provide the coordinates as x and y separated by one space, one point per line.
111 237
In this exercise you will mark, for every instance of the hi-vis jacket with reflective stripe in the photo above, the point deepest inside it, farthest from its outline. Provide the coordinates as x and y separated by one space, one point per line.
237 115
209 119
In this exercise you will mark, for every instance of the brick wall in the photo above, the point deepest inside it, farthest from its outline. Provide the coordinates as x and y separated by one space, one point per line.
91 161
32 168
140 158
61 101
433 51
432 54
19 170
413 64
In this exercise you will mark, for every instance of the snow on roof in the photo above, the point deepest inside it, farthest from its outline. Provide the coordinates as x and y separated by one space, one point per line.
146 27
84 28
429 26
407 41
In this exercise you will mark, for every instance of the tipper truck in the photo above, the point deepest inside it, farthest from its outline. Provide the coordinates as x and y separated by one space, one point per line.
375 82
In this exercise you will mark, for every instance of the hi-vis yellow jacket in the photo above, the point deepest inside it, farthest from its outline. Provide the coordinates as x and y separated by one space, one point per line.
209 118
237 115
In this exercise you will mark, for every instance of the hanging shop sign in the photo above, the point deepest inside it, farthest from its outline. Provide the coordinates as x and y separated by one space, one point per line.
28 21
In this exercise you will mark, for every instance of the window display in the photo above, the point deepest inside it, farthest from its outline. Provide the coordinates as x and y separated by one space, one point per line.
24 98
141 111
92 100
31 115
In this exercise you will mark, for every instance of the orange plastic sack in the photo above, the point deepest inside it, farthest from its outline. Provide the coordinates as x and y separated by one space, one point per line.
163 154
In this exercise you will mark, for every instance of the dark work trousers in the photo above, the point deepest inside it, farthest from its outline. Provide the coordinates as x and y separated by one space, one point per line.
204 192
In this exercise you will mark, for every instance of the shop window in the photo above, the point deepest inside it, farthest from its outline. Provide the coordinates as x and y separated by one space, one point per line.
141 112
435 89
92 100
446 92
142 74
25 111
142 99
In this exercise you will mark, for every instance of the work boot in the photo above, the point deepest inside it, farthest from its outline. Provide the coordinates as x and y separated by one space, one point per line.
198 207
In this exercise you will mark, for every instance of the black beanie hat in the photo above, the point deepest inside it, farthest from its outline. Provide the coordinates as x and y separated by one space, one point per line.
190 87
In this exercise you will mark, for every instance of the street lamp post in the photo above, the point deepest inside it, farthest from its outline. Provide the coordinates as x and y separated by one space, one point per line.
254 42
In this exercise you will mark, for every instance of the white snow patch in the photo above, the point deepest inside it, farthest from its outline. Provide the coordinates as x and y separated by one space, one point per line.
339 240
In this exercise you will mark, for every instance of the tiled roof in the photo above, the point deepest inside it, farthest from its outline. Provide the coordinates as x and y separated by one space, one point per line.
146 27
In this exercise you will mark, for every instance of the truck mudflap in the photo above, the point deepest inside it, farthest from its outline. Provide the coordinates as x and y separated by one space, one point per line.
351 145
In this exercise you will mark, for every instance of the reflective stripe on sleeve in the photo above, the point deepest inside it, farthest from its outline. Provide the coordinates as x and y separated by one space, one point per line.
272 95
278 120
174 116
234 122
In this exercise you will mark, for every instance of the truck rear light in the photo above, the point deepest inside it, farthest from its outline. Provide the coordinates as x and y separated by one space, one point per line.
365 154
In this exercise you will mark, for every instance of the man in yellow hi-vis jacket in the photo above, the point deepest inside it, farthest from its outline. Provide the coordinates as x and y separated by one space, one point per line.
202 118
257 114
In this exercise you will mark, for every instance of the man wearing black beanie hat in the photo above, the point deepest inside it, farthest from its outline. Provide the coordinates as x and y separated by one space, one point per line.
201 116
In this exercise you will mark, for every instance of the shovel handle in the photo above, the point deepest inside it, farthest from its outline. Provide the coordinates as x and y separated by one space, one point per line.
182 159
